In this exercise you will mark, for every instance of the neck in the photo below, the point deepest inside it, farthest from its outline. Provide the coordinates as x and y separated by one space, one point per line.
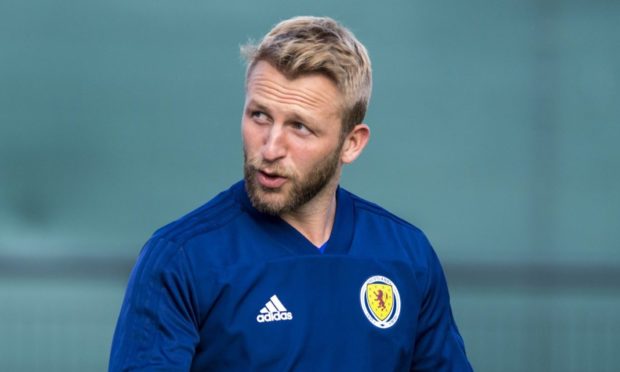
315 219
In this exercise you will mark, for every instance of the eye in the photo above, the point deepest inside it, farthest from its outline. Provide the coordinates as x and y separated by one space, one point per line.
301 128
259 117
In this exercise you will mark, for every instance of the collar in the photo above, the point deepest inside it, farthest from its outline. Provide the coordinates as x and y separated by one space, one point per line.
339 241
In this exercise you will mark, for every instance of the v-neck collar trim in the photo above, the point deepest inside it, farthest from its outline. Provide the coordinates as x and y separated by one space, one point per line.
339 241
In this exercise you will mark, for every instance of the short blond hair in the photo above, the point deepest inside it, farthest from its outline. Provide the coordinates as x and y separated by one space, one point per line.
306 45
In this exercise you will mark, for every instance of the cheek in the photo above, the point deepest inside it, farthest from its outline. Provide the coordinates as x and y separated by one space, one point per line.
306 158
250 137
245 129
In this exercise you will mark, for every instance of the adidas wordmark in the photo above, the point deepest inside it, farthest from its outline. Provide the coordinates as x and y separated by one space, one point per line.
273 311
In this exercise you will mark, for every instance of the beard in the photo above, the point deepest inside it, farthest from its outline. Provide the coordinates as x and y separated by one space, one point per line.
297 191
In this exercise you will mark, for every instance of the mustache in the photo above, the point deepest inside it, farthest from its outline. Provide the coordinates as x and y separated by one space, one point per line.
271 168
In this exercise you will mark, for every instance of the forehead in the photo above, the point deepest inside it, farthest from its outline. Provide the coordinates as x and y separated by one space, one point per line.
309 92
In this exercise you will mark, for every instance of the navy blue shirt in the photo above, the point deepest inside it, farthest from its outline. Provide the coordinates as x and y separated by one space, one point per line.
227 288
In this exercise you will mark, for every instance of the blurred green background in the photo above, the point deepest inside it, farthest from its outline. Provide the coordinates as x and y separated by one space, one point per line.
495 128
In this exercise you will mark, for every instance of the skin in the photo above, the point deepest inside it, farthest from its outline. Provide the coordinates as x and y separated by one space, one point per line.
291 131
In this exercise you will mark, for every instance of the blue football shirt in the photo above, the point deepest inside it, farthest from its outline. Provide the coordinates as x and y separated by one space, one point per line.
227 288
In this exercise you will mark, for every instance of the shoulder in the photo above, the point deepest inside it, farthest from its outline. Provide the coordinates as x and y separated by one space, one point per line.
398 238
216 214
170 253
371 211
215 235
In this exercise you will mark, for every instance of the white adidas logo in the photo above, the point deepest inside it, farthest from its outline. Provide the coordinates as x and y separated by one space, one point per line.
273 311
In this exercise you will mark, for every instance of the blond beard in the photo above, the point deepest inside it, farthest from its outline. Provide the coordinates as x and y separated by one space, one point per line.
300 191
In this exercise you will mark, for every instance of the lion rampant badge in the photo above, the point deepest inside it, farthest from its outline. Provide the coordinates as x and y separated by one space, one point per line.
380 301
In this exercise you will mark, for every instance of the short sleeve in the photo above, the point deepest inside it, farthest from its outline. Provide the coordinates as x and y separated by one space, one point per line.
157 327
438 344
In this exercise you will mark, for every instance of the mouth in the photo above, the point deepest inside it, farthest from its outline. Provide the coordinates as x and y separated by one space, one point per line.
270 180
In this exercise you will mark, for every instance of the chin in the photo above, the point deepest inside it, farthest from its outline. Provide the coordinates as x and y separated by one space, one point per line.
272 202
273 208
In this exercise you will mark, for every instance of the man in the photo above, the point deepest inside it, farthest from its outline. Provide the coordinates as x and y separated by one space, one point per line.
286 270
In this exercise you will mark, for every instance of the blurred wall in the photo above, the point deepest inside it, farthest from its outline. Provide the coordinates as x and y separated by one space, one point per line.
495 128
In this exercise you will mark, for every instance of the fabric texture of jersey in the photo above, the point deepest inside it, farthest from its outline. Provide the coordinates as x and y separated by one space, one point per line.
227 288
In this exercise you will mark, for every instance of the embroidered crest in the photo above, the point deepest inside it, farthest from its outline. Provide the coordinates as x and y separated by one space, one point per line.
380 301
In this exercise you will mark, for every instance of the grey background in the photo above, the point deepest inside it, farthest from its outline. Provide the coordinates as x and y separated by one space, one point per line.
495 128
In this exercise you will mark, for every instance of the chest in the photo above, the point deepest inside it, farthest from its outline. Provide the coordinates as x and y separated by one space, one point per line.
291 311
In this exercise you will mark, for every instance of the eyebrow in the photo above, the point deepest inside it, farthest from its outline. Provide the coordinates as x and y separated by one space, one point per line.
252 103
292 115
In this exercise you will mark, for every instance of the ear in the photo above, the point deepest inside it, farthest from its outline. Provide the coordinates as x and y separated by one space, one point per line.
354 143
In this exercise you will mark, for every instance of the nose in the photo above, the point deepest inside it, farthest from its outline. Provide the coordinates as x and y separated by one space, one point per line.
274 145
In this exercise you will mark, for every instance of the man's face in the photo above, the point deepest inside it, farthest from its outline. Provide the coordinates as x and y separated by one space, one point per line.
291 138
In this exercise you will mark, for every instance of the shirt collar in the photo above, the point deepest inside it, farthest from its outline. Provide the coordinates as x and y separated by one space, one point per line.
339 241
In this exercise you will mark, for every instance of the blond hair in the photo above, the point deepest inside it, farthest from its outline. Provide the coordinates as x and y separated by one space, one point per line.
306 45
